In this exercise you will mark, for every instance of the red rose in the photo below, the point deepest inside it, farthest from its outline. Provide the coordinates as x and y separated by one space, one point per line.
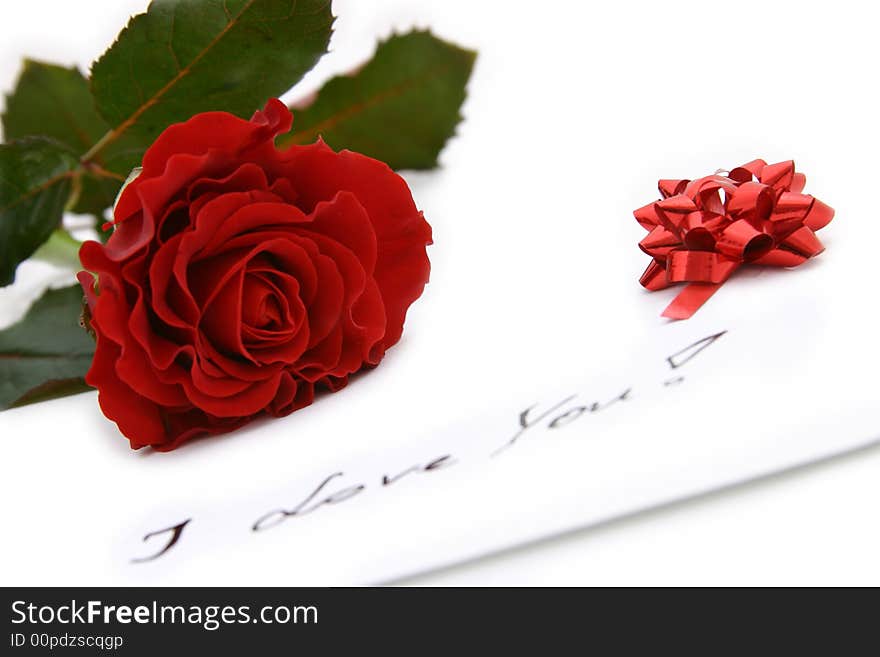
240 278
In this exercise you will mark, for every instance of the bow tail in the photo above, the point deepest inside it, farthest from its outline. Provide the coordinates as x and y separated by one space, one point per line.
690 299
704 272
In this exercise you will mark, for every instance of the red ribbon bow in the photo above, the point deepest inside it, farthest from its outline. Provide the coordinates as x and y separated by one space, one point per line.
702 230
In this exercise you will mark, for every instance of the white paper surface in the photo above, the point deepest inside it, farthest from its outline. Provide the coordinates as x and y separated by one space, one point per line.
742 401
534 297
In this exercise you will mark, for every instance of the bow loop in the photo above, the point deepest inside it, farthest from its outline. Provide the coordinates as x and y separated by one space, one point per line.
792 206
647 216
699 239
672 212
659 242
804 242
702 188
778 176
654 277
752 202
747 172
671 187
741 241
819 216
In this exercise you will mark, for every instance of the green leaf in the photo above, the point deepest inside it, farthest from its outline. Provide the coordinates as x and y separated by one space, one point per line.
187 56
54 101
47 353
400 108
95 195
35 184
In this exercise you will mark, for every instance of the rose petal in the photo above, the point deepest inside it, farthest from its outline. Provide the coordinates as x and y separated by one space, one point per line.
402 267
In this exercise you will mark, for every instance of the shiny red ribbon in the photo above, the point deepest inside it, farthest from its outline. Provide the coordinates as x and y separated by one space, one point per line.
702 230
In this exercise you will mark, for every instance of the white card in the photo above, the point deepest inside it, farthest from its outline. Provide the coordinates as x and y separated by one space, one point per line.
699 407
534 299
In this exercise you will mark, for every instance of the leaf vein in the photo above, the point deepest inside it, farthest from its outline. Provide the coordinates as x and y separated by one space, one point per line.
116 132
307 136
45 185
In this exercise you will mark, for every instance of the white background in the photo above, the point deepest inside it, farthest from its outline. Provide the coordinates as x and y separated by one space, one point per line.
575 109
